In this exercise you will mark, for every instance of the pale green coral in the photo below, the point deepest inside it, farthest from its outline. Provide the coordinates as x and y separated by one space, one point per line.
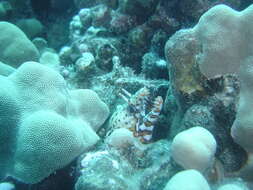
15 47
44 126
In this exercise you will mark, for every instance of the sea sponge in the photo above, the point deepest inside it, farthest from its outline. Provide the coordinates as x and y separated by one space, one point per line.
43 127
194 148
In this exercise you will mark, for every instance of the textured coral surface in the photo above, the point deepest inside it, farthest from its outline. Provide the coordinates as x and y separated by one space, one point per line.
46 126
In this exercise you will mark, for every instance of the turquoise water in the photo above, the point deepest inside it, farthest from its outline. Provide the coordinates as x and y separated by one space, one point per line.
125 95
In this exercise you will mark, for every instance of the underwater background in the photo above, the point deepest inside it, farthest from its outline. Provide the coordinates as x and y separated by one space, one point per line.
126 95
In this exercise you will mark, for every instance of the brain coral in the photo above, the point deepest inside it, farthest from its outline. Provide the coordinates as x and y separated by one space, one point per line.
43 125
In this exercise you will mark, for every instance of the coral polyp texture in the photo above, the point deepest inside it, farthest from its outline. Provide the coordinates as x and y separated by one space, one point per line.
44 126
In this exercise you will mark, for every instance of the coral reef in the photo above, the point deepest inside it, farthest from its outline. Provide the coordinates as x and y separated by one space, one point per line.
215 58
175 75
